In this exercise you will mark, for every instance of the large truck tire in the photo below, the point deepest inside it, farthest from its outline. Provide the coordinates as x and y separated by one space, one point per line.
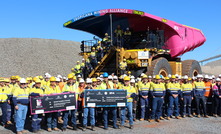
191 68
159 66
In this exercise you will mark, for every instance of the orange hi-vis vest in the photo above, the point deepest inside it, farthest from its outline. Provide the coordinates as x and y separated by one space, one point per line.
208 91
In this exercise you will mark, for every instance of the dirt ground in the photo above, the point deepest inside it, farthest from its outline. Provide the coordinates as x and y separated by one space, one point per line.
185 126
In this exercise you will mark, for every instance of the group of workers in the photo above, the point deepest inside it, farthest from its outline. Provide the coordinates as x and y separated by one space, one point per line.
86 66
151 98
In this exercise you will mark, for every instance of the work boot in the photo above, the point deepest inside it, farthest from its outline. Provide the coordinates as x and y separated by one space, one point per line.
74 127
190 116
63 129
84 128
168 118
92 128
131 126
184 116
215 115
161 118
24 131
206 116
60 120
116 127
177 117
121 126
49 130
157 120
198 116
9 122
150 120
19 132
141 119
35 131
55 129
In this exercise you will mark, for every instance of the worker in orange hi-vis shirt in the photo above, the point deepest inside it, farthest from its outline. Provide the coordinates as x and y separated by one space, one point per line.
208 94
80 100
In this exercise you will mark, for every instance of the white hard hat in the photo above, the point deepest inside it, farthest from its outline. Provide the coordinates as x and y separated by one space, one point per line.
88 80
217 79
101 76
185 77
169 75
213 76
79 76
65 78
132 81
132 77
142 74
199 76
127 28
59 76
48 76
150 77
115 77
57 79
83 59
81 81
210 77
219 75
124 76
206 76
110 77
177 75
138 79
23 80
193 78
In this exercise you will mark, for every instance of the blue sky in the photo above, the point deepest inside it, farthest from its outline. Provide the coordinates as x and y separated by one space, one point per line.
45 18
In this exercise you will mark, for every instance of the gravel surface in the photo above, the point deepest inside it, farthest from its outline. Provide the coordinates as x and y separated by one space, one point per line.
185 126
31 56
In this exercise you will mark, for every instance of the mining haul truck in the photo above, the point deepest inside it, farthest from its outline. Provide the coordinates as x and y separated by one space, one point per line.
154 47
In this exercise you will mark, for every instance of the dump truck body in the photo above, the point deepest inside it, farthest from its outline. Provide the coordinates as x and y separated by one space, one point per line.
173 39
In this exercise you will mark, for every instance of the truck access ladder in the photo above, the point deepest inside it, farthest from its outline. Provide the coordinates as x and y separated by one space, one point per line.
107 63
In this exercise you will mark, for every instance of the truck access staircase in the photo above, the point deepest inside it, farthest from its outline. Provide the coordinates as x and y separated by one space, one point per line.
107 64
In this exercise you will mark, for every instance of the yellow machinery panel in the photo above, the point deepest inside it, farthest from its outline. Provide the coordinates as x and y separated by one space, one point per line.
176 67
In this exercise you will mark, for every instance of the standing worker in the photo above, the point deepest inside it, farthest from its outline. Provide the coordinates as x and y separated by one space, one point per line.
127 38
173 91
88 111
131 93
217 97
144 89
187 96
93 58
208 95
106 85
118 32
69 87
157 92
52 117
106 41
21 101
123 67
3 101
77 69
36 118
199 91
